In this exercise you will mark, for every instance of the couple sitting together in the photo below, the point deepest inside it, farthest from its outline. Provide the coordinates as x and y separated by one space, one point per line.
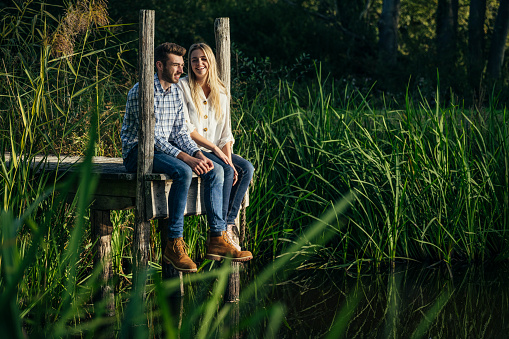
192 134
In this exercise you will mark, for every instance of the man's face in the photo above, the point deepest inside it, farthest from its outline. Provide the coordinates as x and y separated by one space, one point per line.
173 69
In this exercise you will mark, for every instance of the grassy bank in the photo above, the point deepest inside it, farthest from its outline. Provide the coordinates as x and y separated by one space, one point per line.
431 178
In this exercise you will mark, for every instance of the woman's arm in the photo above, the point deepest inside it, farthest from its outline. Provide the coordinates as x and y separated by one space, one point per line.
203 142
227 150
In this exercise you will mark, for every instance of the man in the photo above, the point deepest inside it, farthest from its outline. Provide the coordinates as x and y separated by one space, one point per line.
177 155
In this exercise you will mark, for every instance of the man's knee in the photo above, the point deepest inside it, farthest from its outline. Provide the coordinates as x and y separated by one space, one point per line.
183 174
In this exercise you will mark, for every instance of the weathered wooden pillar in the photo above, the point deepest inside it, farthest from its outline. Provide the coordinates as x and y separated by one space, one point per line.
234 321
233 288
242 219
145 140
102 228
223 53
223 57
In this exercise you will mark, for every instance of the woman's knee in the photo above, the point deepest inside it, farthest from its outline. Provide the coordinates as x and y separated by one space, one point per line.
247 168
228 172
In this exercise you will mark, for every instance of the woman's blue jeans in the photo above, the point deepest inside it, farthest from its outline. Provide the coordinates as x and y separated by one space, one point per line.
233 194
181 174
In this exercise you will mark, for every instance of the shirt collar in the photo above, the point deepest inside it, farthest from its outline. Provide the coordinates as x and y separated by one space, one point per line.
159 89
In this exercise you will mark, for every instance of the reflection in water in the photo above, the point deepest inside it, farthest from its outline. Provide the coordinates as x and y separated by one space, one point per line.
464 302
471 302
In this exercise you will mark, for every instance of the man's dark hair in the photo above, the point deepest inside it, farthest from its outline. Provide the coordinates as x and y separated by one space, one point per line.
161 52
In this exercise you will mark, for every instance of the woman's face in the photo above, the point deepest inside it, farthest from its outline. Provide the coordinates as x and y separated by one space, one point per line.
199 64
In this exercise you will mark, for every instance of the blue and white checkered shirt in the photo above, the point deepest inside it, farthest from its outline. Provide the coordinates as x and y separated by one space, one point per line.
170 133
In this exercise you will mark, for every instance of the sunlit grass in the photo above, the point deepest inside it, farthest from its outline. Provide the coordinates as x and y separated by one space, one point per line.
431 181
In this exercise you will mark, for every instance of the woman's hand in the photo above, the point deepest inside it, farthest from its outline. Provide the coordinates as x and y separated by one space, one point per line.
220 154
235 176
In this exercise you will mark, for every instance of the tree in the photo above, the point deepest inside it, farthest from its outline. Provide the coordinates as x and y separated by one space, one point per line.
498 41
388 33
476 21
447 24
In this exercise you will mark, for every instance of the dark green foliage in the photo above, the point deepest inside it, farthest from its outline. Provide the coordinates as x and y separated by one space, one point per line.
343 35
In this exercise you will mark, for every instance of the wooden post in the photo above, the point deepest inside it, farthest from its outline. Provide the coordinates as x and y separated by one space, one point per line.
101 235
223 53
145 139
223 56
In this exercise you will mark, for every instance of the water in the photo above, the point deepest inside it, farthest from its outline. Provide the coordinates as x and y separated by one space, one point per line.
465 301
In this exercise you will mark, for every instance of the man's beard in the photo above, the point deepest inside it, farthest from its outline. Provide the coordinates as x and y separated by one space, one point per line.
167 76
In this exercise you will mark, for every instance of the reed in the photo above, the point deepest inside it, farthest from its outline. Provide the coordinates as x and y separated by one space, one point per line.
430 179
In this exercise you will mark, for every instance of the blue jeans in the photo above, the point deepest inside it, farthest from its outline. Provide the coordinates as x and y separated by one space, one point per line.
233 195
181 174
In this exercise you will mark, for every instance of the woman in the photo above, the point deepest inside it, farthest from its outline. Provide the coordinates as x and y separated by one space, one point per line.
208 108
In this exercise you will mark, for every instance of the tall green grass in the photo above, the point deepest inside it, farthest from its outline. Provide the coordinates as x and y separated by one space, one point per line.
431 178
50 95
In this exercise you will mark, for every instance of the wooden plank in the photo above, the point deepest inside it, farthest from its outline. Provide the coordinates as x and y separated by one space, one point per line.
117 187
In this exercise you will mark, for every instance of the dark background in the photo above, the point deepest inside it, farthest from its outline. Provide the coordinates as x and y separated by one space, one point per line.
458 45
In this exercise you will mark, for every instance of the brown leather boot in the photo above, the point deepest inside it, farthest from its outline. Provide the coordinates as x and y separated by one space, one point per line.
230 235
175 254
222 247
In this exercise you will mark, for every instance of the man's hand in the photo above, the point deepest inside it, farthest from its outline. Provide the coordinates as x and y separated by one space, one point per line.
210 165
200 164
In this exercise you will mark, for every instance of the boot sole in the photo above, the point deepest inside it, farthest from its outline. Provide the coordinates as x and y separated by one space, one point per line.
188 270
218 257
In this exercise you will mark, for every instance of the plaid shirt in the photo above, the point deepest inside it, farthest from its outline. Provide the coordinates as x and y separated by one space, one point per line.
170 133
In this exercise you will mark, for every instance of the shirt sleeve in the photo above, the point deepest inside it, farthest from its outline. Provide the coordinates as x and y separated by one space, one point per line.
162 144
226 132
130 123
188 104
165 114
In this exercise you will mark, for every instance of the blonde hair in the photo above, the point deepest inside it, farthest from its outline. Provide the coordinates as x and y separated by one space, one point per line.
215 84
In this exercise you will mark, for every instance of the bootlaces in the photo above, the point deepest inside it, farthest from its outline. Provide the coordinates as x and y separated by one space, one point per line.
228 239
180 247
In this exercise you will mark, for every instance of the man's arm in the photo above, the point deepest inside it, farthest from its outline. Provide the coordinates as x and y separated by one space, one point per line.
162 144
130 123
170 125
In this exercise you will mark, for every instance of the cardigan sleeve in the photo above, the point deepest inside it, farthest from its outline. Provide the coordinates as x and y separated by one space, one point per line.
189 108
226 132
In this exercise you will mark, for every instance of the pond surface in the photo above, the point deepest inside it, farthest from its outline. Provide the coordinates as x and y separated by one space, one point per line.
437 302
465 301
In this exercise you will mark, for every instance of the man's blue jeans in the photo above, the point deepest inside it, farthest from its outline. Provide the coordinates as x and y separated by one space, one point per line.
181 174
233 195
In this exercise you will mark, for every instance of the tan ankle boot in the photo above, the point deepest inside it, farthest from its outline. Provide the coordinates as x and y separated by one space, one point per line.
222 247
175 254
230 235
